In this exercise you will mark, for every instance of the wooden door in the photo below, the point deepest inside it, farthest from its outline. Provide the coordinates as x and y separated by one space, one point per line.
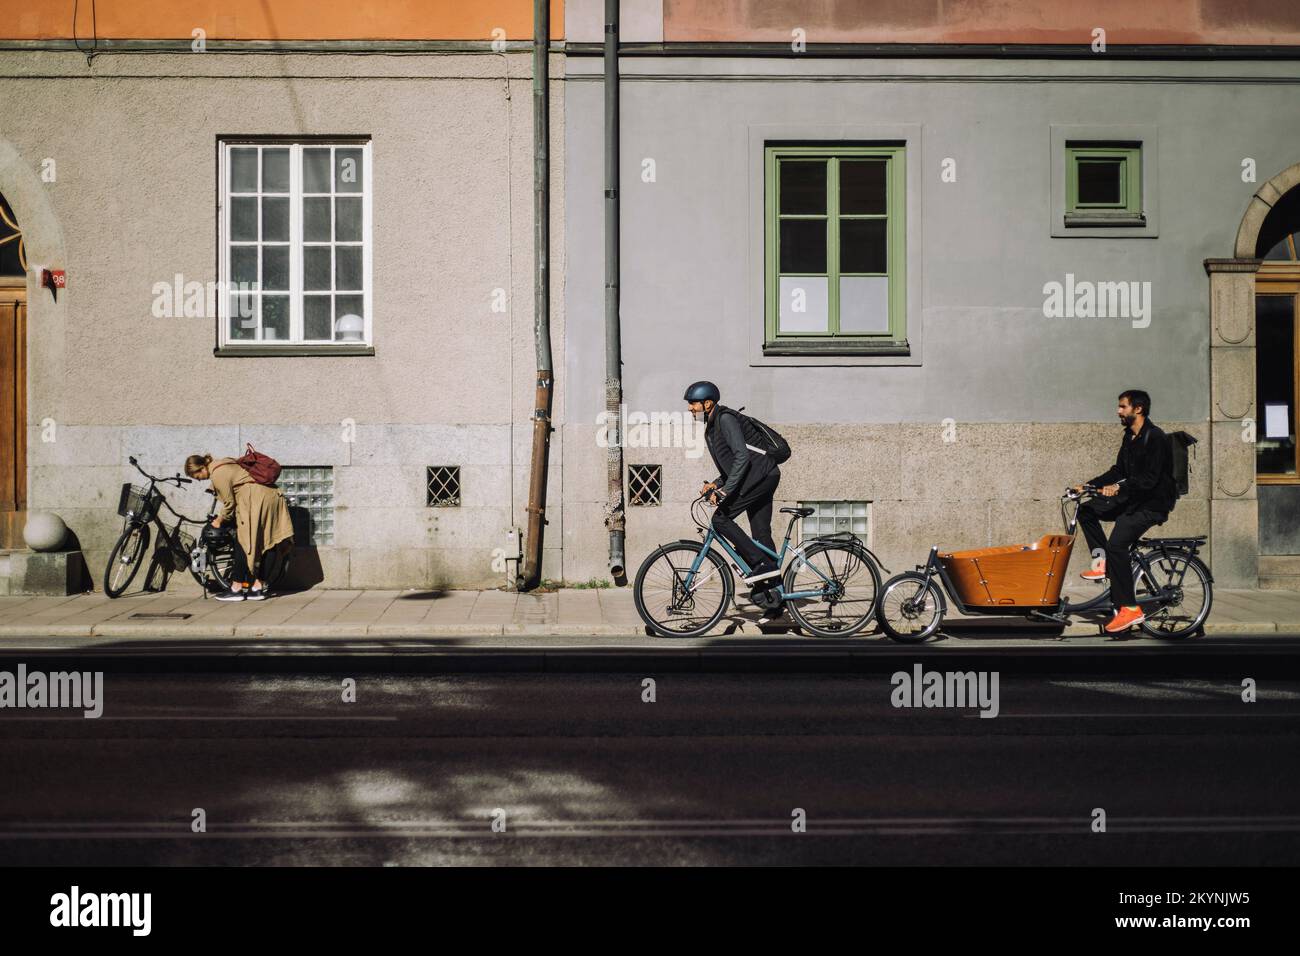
13 411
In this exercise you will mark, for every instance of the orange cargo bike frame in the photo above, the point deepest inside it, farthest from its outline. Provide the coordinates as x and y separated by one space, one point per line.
1173 586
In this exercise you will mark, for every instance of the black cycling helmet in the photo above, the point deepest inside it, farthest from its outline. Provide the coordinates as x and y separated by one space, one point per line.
702 392
216 537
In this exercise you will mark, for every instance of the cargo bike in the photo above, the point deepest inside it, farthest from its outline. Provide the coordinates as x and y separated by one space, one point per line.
1173 585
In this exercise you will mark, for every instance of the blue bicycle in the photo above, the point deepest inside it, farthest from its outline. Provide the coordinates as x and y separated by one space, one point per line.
830 589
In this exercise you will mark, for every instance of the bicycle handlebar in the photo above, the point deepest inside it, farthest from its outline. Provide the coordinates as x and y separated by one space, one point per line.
175 478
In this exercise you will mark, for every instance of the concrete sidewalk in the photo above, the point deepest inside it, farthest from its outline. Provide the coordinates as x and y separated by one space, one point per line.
568 613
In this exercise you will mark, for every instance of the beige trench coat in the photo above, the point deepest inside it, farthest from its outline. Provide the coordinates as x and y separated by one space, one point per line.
260 512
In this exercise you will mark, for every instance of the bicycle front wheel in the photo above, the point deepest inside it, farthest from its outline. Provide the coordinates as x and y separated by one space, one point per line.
845 582
1187 582
911 607
676 603
125 559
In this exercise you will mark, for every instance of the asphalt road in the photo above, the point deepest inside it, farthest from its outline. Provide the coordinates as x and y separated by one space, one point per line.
581 770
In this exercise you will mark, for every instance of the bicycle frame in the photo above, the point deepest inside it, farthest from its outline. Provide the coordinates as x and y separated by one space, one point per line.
711 536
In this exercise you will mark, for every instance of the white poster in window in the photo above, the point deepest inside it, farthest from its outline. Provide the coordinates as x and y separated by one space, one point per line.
1275 420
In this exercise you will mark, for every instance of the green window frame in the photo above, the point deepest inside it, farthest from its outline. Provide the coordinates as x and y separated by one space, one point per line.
1126 209
836 338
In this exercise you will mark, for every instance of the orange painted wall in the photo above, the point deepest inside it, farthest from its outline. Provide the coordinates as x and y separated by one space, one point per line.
275 19
985 21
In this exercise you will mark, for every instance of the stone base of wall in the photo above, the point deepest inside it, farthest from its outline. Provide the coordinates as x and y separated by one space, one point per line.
385 533
960 486
55 573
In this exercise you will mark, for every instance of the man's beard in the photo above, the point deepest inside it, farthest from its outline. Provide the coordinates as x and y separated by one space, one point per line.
1128 420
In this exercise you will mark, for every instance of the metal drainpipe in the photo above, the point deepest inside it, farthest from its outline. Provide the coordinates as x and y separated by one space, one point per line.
614 517
531 573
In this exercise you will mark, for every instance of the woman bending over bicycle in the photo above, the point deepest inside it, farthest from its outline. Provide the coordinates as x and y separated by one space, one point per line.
260 515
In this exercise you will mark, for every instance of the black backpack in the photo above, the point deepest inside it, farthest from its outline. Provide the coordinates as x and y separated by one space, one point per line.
762 438
1179 442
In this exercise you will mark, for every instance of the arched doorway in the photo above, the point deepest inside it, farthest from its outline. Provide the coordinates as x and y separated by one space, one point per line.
1249 300
1277 386
13 378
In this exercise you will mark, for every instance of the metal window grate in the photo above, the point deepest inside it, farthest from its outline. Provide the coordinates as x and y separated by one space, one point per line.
310 490
645 485
831 517
443 486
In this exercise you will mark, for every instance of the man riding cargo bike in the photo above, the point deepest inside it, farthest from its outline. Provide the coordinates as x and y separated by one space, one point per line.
1137 493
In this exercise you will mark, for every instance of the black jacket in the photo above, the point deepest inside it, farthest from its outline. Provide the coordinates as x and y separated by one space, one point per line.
1147 467
736 454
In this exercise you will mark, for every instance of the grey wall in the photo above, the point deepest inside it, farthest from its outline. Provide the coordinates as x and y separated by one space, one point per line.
981 248
134 137
1032 398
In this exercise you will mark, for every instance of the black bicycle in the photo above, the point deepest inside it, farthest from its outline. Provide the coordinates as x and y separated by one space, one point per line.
209 555
1172 584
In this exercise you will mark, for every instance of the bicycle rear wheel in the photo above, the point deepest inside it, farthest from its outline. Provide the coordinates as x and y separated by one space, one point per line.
1188 582
125 559
274 566
217 569
847 584
674 603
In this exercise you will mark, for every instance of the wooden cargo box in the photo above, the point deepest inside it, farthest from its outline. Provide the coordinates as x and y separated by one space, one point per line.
1015 576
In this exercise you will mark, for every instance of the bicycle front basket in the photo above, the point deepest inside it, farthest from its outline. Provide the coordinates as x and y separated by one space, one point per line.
136 501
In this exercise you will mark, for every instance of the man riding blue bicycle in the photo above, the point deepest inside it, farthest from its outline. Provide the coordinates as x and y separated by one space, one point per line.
747 482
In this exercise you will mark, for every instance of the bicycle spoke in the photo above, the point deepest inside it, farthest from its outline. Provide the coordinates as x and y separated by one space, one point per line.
1188 590
677 601
909 607
845 586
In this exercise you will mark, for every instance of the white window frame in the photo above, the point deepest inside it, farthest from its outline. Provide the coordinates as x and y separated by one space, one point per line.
295 146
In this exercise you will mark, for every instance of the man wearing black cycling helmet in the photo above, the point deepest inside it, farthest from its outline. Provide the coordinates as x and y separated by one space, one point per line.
746 483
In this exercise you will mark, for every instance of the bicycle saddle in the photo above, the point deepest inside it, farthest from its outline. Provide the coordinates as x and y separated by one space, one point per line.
801 512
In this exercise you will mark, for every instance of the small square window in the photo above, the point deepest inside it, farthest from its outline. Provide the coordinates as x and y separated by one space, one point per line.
645 485
310 491
442 483
834 517
1103 183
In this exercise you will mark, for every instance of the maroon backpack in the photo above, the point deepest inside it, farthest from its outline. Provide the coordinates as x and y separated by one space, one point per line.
263 469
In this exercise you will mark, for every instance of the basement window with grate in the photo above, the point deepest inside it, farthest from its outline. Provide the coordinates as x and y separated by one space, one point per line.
442 483
645 485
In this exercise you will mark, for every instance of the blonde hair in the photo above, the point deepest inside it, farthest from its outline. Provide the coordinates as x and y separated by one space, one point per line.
196 462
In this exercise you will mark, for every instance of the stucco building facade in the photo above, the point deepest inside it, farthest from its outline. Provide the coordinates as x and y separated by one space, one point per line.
929 243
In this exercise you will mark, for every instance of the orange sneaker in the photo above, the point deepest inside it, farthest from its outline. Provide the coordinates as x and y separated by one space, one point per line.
1095 574
1125 618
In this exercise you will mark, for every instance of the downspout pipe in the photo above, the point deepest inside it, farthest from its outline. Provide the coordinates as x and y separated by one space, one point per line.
531 572
614 514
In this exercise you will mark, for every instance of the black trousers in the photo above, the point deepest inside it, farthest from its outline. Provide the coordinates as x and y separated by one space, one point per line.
239 573
756 502
1128 528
